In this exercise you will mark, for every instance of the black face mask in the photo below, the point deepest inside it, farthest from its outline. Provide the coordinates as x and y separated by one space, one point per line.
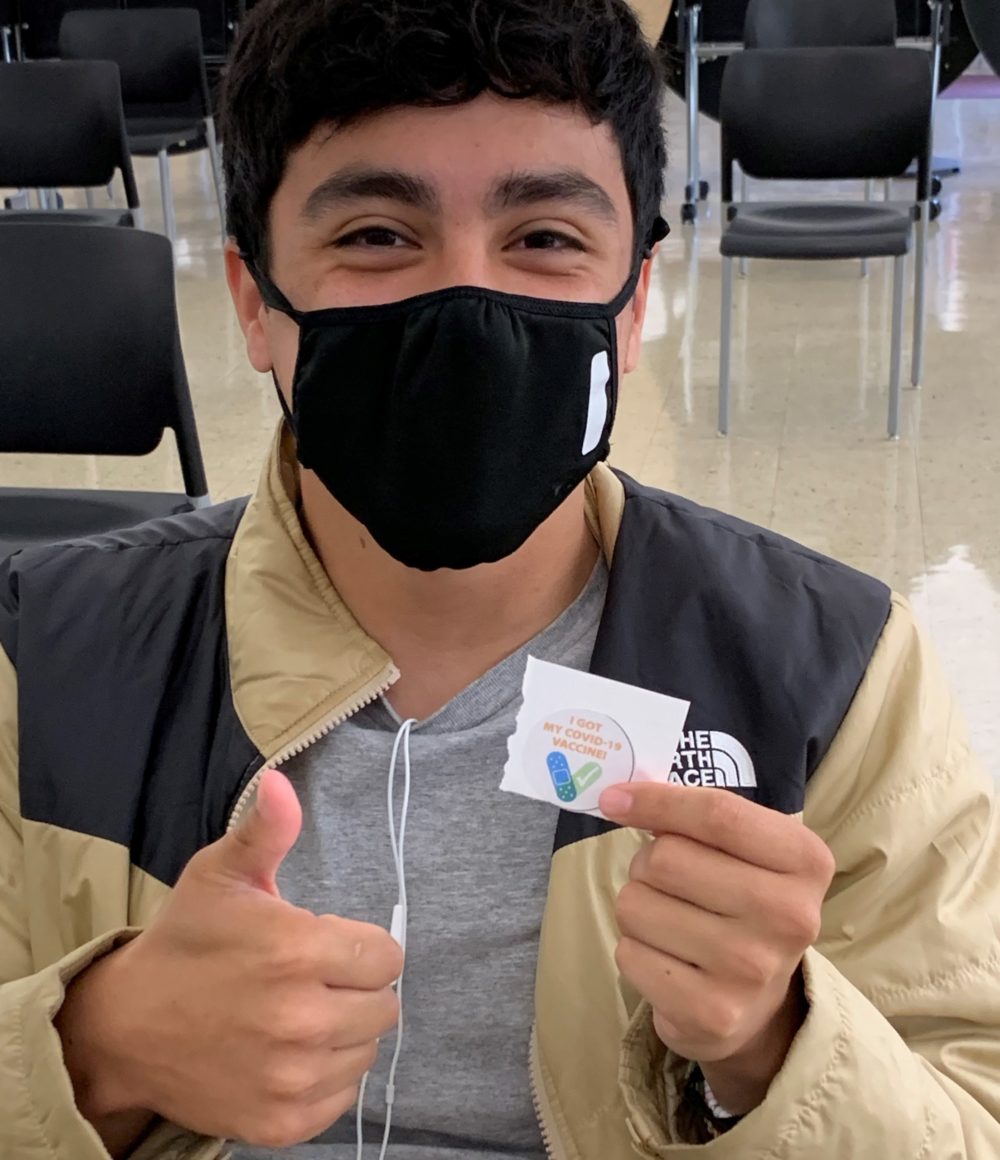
452 424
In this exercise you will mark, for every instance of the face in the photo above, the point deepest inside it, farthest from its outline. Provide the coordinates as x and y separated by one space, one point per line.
514 196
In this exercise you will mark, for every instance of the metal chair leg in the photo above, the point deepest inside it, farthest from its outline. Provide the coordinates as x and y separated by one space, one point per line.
726 346
744 198
896 360
692 192
169 217
216 159
869 196
920 298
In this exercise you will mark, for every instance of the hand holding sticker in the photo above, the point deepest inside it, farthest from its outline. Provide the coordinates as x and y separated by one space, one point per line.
569 755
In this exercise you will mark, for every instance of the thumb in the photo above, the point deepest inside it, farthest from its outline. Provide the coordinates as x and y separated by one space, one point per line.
253 851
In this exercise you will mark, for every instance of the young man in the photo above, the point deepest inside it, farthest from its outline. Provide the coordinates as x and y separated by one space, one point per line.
443 215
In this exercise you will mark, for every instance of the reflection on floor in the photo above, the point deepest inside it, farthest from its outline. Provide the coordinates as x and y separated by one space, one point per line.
807 454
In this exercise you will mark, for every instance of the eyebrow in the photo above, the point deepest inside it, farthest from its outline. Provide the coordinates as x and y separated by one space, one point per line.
353 184
565 185
516 190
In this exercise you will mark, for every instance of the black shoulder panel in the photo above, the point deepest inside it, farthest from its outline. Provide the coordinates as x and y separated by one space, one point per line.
767 640
127 729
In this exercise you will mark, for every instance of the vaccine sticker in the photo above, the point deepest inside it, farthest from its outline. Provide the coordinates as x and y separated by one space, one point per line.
583 753
577 734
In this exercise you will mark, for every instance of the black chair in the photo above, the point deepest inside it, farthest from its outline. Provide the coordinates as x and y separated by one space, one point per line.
164 84
90 364
820 23
39 23
819 114
61 125
839 24
984 20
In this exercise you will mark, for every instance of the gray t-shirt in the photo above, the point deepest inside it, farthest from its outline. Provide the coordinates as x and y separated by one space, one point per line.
477 867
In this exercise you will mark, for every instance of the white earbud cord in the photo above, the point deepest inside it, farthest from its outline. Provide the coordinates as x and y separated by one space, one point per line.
399 926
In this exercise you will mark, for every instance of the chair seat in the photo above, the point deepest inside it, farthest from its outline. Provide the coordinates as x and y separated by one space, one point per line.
44 515
818 230
147 136
73 217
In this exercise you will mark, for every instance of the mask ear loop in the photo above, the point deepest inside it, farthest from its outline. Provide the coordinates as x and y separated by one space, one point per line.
269 292
398 929
274 300
286 410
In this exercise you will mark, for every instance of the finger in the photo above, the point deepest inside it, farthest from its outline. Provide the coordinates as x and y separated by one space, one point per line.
705 876
676 927
252 852
695 1016
714 817
342 1068
356 1018
297 1113
355 955
324 1113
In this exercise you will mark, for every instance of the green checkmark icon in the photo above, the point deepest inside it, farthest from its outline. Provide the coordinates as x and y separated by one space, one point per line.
586 775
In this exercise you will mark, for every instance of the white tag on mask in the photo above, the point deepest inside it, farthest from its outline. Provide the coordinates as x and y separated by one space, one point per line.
597 409
577 734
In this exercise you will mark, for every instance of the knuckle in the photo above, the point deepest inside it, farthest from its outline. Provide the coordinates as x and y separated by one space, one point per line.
724 812
287 1081
627 905
756 965
279 1129
820 862
662 862
388 1013
355 1063
625 956
294 1024
386 956
285 958
796 922
720 1017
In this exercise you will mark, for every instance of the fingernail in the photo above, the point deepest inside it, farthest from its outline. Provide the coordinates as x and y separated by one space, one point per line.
615 802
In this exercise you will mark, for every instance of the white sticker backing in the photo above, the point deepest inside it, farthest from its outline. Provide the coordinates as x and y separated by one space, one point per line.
578 733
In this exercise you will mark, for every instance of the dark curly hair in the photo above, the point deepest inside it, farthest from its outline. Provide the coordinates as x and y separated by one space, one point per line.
301 63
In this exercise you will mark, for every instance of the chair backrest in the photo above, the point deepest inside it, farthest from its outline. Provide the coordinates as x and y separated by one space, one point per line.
984 20
159 53
90 354
817 114
41 23
61 124
819 23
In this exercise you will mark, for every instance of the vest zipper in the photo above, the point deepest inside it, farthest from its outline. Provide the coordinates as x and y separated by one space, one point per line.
553 1148
368 693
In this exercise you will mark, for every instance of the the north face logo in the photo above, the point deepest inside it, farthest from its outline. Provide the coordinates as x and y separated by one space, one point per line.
709 758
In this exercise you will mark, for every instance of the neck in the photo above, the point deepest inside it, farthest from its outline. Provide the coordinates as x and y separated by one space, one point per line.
445 629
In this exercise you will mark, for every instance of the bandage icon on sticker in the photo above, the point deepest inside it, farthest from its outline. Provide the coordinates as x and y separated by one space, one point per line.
583 752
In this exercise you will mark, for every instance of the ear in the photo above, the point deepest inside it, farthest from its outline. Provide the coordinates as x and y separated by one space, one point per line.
633 342
250 309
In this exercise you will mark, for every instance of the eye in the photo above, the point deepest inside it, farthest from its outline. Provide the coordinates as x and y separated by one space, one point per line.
550 240
371 238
